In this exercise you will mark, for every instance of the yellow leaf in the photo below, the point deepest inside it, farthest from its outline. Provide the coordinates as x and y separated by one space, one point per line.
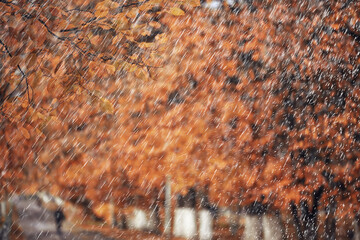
120 65
40 133
106 106
134 57
146 44
110 4
121 22
105 26
41 116
142 73
155 2
155 24
24 105
194 3
25 132
161 38
132 68
130 38
110 69
132 13
176 11
101 11
145 6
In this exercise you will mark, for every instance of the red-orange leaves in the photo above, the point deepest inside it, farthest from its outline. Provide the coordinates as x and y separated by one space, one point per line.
25 132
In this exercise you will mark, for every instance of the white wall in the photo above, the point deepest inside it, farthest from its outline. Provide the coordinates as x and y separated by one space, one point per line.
140 220
185 223
205 225
253 227
272 227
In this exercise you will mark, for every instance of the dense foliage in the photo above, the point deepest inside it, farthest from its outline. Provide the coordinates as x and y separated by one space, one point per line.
54 55
256 102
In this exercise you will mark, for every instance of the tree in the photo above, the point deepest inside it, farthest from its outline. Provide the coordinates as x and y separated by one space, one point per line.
274 114
54 55
244 120
283 103
251 101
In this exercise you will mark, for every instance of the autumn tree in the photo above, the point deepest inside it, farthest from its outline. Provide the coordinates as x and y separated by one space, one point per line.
249 100
54 55
269 113
243 121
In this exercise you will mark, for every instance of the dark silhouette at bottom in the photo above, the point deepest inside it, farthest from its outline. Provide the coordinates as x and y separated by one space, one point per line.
59 219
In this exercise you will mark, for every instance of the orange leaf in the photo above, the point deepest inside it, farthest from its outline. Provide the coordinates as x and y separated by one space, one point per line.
25 132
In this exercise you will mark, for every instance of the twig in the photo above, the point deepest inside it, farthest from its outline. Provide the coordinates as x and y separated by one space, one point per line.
6 48
23 77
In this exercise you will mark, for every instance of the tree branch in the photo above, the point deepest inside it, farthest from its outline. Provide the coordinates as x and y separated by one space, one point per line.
6 48
19 84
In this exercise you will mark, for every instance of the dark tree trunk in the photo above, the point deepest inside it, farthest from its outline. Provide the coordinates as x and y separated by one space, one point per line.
190 198
297 223
234 221
123 222
330 222
156 211
356 227
180 201
306 226
307 221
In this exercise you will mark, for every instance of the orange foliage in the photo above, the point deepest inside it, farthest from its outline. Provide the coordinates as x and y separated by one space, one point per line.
250 103
58 62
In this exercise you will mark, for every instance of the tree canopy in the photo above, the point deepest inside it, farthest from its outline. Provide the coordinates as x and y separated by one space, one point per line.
248 100
55 54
